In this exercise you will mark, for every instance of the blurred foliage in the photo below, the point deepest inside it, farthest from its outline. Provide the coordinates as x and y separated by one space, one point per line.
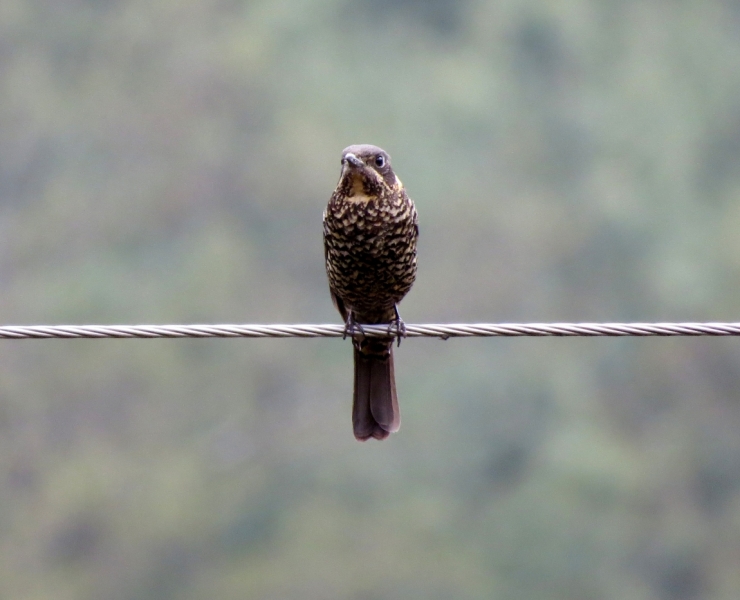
166 161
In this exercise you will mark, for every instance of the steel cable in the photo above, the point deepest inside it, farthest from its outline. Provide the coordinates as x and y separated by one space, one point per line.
443 331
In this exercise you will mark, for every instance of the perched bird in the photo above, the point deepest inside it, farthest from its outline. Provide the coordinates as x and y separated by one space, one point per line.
370 233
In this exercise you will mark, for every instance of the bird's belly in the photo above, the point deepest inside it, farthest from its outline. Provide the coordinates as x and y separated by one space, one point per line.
371 276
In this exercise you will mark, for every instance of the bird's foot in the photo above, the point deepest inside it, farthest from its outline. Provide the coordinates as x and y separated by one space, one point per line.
397 326
352 327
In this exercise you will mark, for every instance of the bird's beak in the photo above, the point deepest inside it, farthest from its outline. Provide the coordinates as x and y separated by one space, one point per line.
351 160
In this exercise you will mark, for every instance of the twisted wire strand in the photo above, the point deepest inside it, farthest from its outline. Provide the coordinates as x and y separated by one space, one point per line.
443 331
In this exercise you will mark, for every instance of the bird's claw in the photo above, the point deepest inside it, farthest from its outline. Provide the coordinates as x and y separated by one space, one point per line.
397 326
352 327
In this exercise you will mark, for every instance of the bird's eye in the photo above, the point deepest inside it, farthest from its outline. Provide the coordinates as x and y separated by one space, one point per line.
380 161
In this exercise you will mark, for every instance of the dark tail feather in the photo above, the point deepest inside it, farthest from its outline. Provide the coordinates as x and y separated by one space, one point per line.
375 405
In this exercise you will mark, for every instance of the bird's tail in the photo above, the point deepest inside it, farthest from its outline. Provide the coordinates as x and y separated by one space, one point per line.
375 405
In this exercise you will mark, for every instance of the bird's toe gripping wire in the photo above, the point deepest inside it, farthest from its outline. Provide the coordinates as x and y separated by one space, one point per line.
352 327
397 326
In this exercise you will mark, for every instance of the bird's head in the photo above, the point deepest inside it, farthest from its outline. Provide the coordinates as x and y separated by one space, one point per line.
366 171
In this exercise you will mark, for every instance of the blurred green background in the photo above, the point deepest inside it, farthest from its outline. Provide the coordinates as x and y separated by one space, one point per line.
168 162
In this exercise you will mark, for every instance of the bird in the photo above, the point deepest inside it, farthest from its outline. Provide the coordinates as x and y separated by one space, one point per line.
370 235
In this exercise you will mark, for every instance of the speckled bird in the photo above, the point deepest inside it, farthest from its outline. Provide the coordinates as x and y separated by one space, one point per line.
370 234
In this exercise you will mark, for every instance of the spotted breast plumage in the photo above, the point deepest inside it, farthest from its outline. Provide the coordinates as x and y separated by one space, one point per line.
370 234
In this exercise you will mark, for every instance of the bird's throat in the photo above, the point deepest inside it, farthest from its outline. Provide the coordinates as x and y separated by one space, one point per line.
356 190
